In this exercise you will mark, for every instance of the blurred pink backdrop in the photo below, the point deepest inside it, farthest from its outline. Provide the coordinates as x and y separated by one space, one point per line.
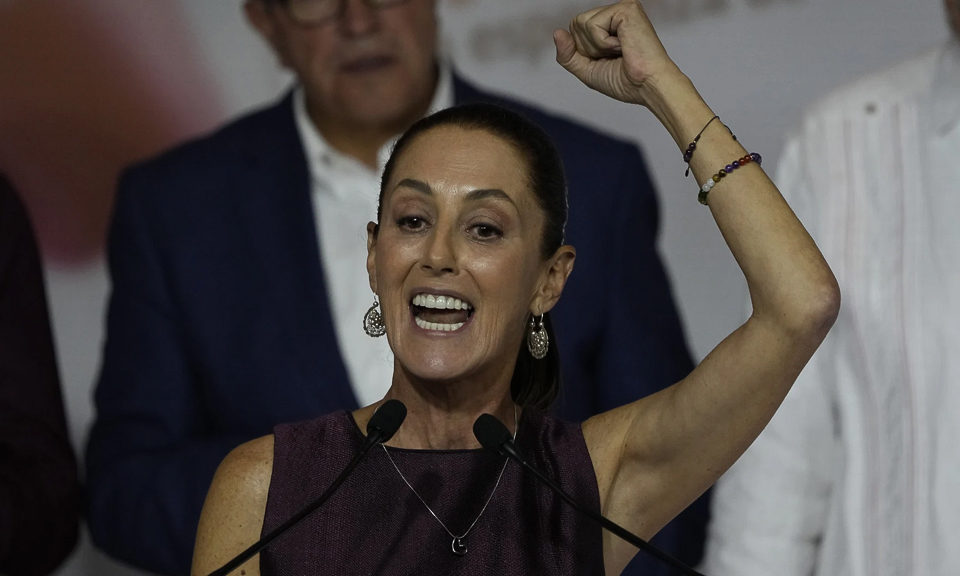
85 89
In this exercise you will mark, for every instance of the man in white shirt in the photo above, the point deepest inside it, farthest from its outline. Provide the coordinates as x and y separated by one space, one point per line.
858 472
239 282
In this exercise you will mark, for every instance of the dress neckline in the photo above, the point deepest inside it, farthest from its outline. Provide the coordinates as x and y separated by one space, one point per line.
356 427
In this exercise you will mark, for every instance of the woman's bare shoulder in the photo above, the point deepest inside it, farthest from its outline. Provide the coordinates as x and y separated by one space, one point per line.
233 512
249 464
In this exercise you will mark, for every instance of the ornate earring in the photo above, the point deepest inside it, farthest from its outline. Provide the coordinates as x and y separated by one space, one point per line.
538 342
373 321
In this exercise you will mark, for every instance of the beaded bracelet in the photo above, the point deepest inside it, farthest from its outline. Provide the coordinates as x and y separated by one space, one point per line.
709 184
692 146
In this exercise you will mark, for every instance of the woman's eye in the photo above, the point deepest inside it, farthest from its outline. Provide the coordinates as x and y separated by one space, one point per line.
411 223
486 231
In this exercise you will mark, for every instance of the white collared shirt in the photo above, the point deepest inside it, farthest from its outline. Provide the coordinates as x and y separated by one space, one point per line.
344 195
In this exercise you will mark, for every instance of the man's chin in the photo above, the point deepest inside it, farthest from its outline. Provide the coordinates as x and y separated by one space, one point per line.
388 114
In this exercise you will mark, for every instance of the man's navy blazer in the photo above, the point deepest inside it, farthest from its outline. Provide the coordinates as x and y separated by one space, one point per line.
219 326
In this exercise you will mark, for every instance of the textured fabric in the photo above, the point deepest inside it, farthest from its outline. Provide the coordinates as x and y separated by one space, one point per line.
219 326
39 490
858 471
374 524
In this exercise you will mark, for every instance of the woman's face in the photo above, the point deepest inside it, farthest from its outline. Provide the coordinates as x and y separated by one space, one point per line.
457 261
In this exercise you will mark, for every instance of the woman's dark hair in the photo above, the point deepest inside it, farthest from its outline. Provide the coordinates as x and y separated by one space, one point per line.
535 382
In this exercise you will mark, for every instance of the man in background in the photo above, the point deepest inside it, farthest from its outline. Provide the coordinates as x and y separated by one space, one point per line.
39 489
858 471
239 280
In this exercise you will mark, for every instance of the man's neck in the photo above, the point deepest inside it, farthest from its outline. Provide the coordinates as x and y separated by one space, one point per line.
363 144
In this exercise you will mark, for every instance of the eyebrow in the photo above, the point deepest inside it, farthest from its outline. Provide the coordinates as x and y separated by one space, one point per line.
474 195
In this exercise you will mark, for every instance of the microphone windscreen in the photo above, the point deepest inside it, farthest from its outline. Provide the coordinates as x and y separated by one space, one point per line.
387 419
490 432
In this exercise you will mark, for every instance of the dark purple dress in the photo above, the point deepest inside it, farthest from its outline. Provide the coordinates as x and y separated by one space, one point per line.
374 524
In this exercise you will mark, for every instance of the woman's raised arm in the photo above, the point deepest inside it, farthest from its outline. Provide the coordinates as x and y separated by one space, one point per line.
654 456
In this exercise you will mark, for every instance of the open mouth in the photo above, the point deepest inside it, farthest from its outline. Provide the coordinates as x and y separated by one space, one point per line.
440 313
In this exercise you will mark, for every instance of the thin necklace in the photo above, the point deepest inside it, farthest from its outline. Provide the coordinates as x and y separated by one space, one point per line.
457 545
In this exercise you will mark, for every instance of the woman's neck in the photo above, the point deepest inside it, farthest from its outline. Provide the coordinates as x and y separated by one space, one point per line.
441 417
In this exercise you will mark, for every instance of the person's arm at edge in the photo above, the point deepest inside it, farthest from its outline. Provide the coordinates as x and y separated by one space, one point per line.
39 487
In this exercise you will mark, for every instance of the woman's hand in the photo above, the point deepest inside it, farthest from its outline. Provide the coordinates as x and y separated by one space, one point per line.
615 50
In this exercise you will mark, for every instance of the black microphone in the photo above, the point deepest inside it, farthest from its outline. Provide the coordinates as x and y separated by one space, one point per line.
493 435
382 426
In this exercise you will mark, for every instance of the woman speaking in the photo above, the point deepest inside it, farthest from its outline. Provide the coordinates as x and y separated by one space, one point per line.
466 260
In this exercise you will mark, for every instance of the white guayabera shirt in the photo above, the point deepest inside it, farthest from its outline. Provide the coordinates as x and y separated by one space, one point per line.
858 474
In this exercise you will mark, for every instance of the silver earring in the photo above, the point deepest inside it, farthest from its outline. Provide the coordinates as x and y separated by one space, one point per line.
373 321
538 342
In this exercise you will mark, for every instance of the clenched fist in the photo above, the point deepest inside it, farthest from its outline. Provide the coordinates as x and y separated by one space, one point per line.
615 50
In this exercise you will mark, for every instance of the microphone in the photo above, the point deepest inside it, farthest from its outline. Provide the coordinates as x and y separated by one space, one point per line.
384 423
382 426
493 435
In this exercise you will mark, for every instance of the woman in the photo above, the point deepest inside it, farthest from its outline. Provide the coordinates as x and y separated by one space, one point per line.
466 259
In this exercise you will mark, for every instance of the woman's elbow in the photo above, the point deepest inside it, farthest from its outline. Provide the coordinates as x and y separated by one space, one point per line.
825 307
801 310
814 313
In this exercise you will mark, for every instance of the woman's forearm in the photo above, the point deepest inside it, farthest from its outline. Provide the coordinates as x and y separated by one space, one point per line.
790 283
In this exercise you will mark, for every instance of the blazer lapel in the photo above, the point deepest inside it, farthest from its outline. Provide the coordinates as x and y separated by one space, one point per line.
279 211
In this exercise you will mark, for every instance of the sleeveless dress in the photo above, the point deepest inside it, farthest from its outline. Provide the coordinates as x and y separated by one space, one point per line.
374 524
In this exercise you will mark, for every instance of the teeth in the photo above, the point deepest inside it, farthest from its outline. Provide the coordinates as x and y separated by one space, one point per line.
440 302
438 327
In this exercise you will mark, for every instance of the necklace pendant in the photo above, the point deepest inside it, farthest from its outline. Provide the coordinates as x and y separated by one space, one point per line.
459 547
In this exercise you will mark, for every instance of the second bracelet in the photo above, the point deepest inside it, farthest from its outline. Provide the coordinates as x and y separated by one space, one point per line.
722 173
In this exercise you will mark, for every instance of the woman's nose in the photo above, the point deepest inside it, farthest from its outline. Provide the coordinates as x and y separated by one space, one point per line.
440 255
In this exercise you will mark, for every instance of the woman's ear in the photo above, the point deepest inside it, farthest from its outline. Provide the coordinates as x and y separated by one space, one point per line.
554 277
372 229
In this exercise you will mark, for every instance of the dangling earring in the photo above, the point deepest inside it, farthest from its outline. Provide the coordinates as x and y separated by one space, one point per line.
538 342
373 321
